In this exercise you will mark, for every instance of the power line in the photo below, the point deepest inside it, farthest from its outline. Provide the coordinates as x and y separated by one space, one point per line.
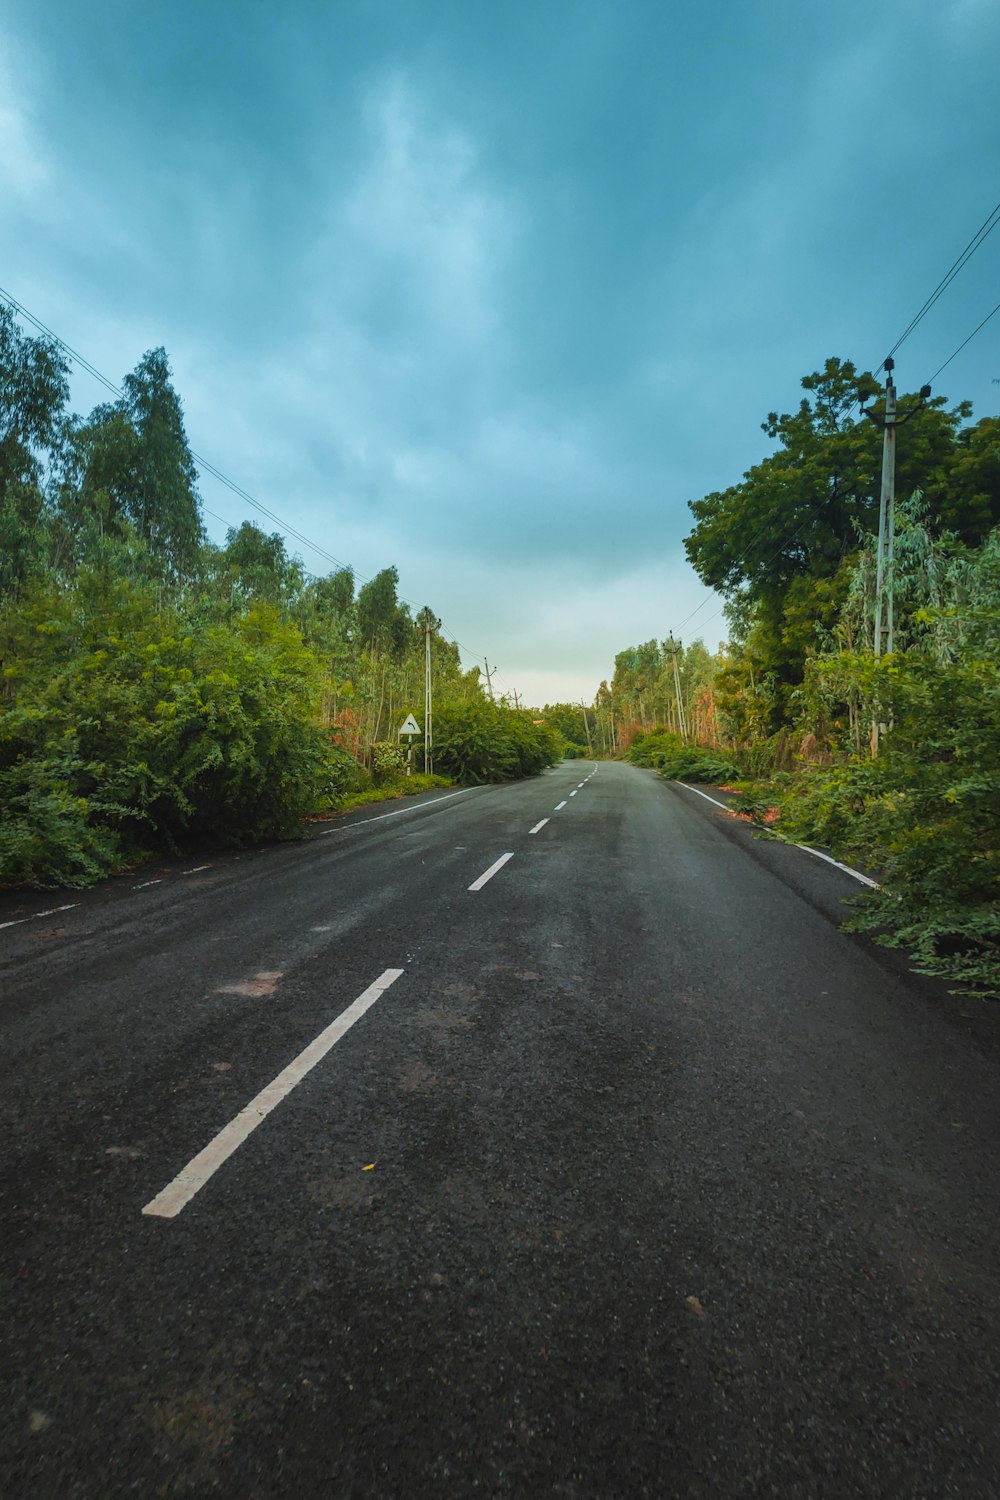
984 230
208 467
203 463
981 234
962 345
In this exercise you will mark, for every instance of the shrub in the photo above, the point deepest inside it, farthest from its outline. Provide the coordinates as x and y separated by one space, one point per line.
651 749
388 762
692 764
481 742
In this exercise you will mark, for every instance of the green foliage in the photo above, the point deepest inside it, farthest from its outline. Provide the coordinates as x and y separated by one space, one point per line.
653 748
343 776
388 762
691 764
569 720
124 730
781 544
481 742
923 813
157 689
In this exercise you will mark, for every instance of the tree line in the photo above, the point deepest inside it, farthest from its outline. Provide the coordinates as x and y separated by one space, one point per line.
157 688
890 760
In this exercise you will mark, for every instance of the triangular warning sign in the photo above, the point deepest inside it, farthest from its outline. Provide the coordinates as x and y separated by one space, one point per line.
411 726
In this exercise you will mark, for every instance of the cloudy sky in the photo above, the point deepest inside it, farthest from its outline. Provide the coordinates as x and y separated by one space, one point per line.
491 290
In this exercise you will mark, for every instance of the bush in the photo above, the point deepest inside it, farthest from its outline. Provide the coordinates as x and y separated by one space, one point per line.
128 731
651 749
388 762
691 764
481 742
923 815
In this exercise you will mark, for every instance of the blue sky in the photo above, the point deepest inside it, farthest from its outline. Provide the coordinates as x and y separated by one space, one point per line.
490 291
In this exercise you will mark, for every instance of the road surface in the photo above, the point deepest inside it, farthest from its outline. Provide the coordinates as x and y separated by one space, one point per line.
536 1140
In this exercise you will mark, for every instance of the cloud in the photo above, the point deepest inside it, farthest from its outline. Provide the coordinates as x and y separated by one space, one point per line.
416 243
25 171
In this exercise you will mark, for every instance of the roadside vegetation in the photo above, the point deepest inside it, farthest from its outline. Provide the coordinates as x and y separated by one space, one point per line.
159 692
890 761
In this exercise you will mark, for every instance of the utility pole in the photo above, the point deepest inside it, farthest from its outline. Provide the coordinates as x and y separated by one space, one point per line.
586 725
489 679
886 505
675 651
886 508
428 735
884 552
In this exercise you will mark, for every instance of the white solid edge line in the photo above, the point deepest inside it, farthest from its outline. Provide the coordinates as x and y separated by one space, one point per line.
343 827
538 826
558 806
178 1193
865 879
36 914
477 885
714 800
856 874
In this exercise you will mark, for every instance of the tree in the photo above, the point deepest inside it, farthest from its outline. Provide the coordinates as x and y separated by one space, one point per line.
780 544
33 393
256 567
137 468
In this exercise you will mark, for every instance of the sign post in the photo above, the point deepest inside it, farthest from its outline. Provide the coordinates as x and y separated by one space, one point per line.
409 729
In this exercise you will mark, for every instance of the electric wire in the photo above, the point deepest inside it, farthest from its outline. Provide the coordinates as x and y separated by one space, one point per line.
962 345
217 473
982 233
985 229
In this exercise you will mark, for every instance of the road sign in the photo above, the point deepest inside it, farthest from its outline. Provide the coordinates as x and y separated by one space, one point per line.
409 727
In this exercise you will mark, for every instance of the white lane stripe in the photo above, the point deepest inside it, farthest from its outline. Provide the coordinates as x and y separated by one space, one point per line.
559 805
865 879
538 826
573 794
196 869
35 915
477 885
714 800
343 827
847 869
146 883
178 1193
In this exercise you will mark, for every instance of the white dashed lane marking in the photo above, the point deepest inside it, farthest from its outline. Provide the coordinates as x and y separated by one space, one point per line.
538 826
178 1193
477 885
35 915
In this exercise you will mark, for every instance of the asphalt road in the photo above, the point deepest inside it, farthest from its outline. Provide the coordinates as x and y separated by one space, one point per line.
635 1178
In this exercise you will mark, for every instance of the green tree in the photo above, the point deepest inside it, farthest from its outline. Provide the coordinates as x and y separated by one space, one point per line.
34 390
136 468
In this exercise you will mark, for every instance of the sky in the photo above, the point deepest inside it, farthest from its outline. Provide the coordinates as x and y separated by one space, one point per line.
490 291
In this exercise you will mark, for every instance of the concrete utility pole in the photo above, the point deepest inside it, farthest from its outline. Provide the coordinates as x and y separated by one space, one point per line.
428 735
675 651
886 506
884 559
888 423
489 679
586 725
